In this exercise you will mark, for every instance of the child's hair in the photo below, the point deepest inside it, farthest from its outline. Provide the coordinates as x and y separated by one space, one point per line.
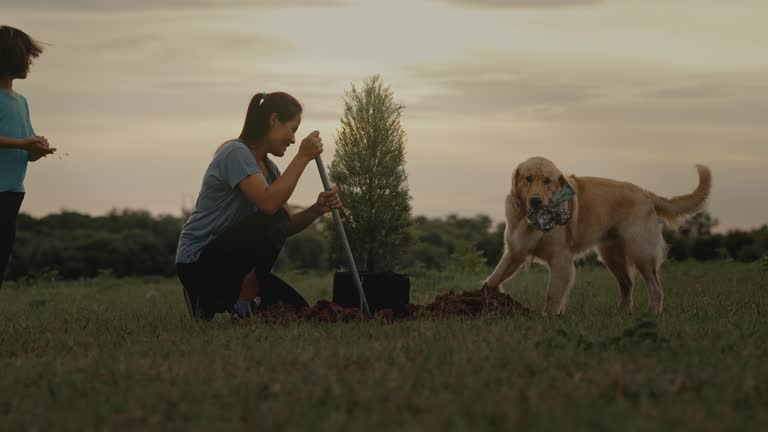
261 108
17 50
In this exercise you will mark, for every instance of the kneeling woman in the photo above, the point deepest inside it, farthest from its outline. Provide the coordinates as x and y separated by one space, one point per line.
240 221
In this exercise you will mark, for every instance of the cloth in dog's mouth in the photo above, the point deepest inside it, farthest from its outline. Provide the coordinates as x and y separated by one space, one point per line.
545 218
548 216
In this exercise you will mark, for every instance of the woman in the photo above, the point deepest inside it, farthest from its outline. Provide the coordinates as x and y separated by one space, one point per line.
240 221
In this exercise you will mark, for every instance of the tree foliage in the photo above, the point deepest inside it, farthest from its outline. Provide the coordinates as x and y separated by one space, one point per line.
369 171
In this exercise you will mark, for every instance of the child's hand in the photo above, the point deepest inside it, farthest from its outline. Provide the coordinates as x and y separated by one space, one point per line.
37 146
35 155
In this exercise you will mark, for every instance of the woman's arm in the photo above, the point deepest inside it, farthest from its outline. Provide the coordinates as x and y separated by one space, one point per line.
301 220
271 198
326 202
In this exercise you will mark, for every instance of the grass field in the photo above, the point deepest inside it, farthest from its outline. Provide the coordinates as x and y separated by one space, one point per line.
122 355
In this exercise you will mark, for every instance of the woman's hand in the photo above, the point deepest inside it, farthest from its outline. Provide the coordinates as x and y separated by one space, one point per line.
311 146
328 201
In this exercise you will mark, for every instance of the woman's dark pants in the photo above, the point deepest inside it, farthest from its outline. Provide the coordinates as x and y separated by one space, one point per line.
213 282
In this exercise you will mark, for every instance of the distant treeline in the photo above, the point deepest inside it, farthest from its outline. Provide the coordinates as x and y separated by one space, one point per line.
136 243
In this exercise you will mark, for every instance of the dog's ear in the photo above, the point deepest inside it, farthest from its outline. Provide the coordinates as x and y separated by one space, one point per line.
515 181
515 192
563 181
566 183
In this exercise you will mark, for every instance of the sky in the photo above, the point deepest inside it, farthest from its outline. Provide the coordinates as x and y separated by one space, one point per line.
138 95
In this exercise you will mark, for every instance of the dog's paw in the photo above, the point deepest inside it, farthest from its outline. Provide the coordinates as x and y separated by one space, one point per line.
491 287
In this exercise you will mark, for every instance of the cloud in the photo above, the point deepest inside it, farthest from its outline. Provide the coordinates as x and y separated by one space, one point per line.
725 101
513 4
689 91
144 5
485 86
487 83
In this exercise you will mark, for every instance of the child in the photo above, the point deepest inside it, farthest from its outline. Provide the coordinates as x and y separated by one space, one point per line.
18 141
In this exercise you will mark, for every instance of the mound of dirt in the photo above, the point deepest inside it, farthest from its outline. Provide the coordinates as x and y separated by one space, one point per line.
474 303
466 304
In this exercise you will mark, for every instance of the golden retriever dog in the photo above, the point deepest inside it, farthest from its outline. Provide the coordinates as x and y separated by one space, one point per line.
622 221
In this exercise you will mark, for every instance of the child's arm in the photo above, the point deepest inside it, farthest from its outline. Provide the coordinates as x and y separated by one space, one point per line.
23 144
36 146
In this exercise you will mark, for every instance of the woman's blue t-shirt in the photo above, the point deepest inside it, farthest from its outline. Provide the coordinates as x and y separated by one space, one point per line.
220 203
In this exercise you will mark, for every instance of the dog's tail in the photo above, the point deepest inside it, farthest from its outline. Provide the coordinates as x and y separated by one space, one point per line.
674 209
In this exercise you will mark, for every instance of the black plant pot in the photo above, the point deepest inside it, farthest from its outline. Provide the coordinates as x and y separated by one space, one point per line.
383 290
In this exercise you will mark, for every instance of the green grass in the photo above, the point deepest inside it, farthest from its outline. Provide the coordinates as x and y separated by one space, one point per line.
122 355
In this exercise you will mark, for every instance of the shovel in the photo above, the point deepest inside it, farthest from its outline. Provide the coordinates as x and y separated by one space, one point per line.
343 237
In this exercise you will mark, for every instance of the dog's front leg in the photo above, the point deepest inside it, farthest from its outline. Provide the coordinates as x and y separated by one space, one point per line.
507 266
561 277
519 240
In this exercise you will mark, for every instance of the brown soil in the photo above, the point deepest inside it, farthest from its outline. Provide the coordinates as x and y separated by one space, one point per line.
466 304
